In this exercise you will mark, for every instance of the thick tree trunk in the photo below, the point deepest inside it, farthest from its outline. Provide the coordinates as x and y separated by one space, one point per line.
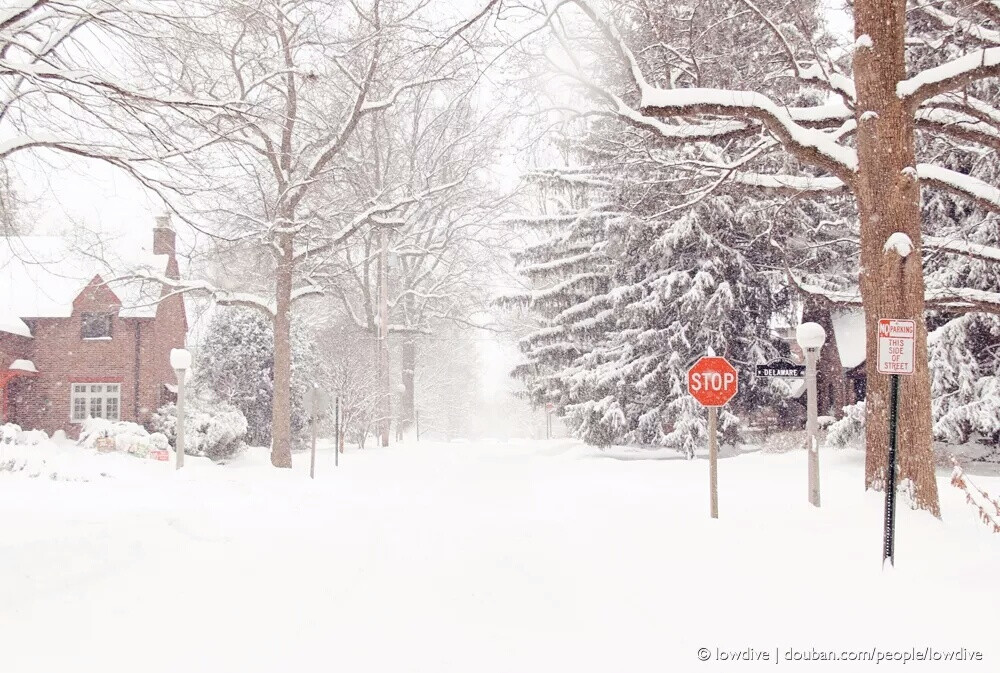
408 358
891 286
281 412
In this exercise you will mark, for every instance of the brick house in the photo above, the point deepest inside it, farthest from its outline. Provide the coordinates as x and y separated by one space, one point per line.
73 345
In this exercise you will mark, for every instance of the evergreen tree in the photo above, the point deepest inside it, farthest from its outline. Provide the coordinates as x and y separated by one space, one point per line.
236 365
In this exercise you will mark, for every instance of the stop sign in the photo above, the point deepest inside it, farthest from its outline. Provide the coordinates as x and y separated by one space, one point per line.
712 381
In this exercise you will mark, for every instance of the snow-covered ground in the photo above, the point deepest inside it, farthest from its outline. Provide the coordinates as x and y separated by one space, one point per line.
472 557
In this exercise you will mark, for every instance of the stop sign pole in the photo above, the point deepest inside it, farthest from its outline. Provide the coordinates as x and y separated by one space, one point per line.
712 381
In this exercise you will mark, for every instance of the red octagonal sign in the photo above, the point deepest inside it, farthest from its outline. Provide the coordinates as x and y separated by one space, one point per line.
712 381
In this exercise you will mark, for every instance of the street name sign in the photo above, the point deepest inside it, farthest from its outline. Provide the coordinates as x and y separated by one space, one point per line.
781 369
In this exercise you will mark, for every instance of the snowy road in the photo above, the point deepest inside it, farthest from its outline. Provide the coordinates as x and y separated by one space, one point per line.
536 557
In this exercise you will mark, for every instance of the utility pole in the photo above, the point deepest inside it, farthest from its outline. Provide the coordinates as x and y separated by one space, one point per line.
383 332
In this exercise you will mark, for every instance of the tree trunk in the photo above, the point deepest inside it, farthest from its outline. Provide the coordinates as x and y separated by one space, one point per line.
281 412
408 357
891 286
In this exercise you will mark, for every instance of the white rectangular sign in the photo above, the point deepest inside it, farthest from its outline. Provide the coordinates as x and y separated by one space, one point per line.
895 346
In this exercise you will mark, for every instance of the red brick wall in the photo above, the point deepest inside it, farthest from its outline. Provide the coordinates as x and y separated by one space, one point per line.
62 356
168 331
13 347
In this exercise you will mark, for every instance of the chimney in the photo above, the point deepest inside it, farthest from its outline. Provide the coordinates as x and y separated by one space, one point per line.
164 238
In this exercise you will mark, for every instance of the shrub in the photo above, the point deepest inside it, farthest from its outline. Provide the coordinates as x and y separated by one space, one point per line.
214 430
987 508
236 365
849 429
127 437
9 433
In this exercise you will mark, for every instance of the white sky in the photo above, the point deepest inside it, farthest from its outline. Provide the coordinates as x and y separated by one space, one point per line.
62 193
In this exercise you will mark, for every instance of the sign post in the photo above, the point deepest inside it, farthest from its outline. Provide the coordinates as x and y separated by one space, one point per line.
549 407
180 362
309 402
896 339
336 433
713 382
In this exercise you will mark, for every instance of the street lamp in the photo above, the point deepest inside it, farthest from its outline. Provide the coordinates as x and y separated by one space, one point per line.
180 361
811 337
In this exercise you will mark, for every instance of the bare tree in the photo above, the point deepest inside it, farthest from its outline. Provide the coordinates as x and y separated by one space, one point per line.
433 261
59 90
306 75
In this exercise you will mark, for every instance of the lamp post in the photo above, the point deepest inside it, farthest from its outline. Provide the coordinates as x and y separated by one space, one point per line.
180 361
811 337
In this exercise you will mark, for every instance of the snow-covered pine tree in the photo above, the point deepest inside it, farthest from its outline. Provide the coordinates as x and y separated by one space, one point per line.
654 254
629 301
565 265
236 365
963 236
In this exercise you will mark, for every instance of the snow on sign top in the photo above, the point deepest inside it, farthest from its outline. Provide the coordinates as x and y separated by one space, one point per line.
896 339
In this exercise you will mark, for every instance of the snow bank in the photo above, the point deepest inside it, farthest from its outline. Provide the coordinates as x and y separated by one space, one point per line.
536 556
121 436
33 454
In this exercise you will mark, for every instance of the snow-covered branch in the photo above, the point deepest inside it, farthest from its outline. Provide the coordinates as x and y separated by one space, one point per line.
950 298
961 184
791 183
963 299
985 253
965 26
809 145
949 76
219 295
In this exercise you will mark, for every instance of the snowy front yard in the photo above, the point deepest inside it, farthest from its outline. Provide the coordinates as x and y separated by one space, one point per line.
544 556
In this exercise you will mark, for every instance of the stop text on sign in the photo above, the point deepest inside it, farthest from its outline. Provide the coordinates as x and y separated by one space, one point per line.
712 381
896 340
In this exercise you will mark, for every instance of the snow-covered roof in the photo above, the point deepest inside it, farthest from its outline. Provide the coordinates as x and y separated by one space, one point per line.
23 365
849 326
13 325
40 276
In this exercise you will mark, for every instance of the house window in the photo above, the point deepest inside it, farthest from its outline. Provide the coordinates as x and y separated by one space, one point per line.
95 400
96 326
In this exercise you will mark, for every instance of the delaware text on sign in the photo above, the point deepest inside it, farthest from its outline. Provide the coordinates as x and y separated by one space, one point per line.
895 346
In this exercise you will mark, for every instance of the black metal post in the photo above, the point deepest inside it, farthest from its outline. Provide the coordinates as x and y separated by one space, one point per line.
889 540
